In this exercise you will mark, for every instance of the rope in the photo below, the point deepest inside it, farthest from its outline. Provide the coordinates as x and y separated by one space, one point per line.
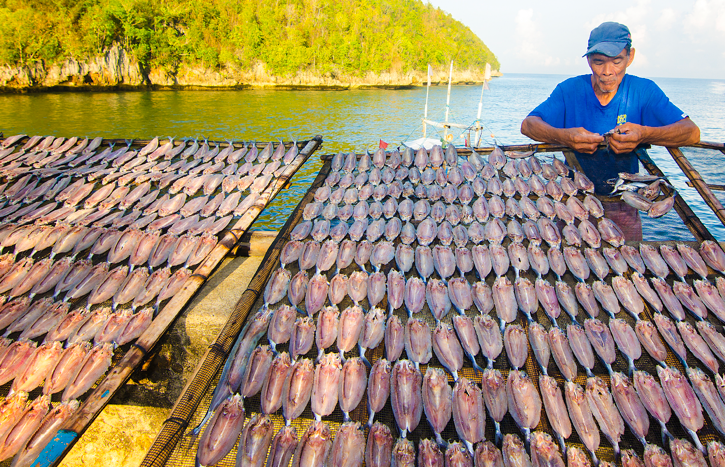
178 420
219 350
141 348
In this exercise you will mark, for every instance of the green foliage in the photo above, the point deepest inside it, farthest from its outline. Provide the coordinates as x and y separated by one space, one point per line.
320 36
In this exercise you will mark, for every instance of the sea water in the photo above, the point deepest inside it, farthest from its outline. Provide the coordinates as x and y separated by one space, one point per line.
354 120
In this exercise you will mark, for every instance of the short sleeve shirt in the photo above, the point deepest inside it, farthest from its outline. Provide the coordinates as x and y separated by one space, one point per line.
573 104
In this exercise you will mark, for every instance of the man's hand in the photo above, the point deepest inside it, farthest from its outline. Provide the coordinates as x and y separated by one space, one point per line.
625 138
628 136
582 140
578 139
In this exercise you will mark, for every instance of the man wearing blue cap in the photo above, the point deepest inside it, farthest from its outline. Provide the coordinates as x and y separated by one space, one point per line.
584 110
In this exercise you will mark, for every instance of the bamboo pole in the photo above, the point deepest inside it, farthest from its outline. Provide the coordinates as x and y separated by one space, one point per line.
709 145
74 427
710 185
210 365
694 176
688 216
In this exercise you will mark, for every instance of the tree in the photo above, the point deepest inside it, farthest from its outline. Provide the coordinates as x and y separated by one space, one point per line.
351 37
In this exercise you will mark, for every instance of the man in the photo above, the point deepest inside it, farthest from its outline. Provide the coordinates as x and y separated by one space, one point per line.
609 104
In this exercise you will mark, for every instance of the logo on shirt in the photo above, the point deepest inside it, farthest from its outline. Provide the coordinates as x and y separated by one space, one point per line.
621 119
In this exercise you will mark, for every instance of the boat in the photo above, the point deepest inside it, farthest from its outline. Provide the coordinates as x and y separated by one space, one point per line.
452 131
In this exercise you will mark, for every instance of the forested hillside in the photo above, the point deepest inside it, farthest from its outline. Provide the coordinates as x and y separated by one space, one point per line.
324 37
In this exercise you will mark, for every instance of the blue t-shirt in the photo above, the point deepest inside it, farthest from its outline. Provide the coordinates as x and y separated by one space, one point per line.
573 104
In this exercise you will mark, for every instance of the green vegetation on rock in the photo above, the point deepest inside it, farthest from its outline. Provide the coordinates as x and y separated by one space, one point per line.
323 37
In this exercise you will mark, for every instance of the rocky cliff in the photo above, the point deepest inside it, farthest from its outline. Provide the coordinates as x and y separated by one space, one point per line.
117 69
114 68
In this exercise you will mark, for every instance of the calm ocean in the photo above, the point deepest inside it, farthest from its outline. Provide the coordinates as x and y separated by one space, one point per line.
352 120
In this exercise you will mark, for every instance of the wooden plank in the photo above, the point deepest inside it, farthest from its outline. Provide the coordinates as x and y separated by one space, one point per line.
689 218
74 427
707 195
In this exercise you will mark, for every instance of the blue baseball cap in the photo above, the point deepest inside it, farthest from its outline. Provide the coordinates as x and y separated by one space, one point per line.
608 39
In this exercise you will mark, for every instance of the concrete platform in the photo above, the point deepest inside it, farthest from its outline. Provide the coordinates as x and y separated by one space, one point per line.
126 428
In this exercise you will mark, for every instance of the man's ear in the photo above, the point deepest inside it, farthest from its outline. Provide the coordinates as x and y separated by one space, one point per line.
631 56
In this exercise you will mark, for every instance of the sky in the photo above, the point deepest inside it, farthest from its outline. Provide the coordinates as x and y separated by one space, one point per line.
672 39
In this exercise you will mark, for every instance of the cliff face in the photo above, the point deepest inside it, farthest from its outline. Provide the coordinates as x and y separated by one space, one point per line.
114 68
118 69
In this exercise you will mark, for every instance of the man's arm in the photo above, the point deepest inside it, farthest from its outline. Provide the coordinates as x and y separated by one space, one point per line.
680 133
578 139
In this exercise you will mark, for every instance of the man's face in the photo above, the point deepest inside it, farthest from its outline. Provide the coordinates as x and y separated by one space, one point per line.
608 72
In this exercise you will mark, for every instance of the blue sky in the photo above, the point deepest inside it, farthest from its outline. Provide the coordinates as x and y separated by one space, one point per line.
684 39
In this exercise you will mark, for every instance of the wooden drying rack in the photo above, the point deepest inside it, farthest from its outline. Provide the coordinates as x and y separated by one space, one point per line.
75 426
207 371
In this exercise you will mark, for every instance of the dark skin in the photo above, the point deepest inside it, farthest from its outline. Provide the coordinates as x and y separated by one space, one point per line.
607 75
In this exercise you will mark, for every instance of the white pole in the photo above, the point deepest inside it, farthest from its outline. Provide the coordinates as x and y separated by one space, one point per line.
448 99
425 113
478 116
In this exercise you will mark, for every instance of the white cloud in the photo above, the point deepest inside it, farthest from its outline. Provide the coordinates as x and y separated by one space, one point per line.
530 40
639 34
527 32
673 38
706 21
635 14
666 19
635 17
698 17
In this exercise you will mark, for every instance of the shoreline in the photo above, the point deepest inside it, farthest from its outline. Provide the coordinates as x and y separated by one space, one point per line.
117 70
91 88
